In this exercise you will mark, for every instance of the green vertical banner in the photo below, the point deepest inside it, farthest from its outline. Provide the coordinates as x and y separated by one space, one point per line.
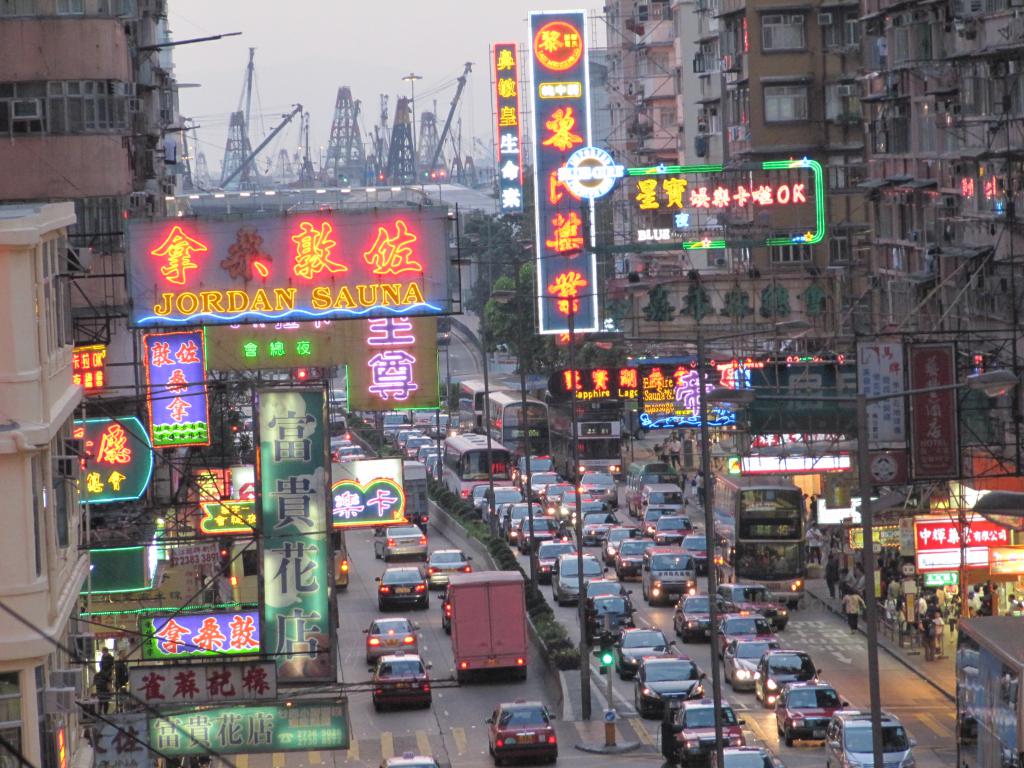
296 553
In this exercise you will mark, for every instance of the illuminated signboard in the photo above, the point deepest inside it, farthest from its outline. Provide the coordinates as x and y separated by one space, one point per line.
882 535
89 367
668 398
507 128
211 484
392 364
297 266
595 384
1006 561
292 727
590 173
118 459
566 267
228 517
276 345
368 493
295 543
172 684
787 465
702 197
193 635
179 411
938 542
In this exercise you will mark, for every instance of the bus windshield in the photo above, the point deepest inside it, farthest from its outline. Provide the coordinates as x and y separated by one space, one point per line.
771 513
474 465
769 561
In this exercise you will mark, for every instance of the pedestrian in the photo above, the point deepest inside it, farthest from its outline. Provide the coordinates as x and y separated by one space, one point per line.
974 601
985 609
675 449
815 542
953 614
922 605
662 449
853 604
832 574
121 679
104 682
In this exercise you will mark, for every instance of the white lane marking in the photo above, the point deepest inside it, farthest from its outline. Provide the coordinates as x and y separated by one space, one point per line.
844 659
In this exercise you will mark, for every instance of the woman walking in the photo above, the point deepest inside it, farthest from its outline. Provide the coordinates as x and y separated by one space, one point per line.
853 604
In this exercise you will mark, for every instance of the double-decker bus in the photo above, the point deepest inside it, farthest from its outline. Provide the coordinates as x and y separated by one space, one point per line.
762 523
465 463
507 425
471 405
599 430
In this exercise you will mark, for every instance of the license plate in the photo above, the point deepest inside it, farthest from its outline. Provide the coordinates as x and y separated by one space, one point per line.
402 685
707 632
492 662
818 733
392 641
403 590
526 738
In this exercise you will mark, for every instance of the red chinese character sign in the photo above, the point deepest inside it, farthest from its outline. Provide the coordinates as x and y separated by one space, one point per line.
392 364
505 80
194 635
297 266
938 542
89 367
567 286
934 444
117 460
180 684
368 493
179 411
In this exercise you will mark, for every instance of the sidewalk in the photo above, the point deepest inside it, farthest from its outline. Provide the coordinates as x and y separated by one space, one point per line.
941 673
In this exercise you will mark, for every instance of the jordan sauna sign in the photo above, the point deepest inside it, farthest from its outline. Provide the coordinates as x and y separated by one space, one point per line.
299 266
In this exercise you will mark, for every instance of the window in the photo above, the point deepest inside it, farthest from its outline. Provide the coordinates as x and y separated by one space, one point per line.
70 7
99 223
667 119
842 102
10 714
61 464
782 32
784 103
37 512
843 31
790 254
838 249
56 296
17 7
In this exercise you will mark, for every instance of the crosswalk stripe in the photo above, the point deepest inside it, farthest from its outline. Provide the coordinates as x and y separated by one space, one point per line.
459 734
353 751
422 742
641 731
932 724
278 759
315 759
387 744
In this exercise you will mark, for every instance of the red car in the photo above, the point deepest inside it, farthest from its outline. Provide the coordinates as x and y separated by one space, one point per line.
400 678
689 737
753 598
804 710
522 729
743 626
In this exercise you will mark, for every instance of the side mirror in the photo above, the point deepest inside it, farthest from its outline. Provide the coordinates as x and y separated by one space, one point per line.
912 742
366 631
430 665
416 625
844 703
833 744
489 721
376 578
469 559
741 721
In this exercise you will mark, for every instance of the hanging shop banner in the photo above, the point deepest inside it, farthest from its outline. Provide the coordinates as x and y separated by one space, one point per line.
243 482
505 81
179 410
705 200
292 727
934 444
293 483
882 535
193 554
788 465
232 517
295 266
195 635
368 493
938 542
89 368
566 266
880 372
668 398
177 684
260 346
942 579
392 365
595 384
117 459
122 742
211 484
1006 561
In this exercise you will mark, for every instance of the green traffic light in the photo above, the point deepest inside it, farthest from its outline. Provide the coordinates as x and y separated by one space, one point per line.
607 658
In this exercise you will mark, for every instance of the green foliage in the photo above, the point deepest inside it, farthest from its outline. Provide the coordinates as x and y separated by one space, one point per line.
658 309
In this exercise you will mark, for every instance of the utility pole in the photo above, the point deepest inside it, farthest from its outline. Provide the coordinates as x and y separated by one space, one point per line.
580 603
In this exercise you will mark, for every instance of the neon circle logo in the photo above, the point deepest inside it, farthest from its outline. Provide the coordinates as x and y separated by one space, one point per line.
590 173
558 45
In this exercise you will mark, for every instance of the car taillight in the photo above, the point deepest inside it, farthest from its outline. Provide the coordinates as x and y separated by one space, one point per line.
464 494
234 580
391 542
552 739
425 519
520 661
378 691
408 639
385 588
468 569
374 641
499 742
421 587
463 665
447 609
423 540
431 571
426 687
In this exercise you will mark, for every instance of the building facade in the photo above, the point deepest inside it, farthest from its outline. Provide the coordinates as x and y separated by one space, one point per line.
42 565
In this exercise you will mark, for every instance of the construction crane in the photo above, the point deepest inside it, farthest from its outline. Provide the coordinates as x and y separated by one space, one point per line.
451 114
426 150
401 167
238 145
248 160
346 157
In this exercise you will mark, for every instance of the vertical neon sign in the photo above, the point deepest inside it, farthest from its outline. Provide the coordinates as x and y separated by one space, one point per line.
560 89
179 411
507 128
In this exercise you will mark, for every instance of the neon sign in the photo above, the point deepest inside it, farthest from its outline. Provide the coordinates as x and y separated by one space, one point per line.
193 635
118 459
399 369
298 266
276 345
235 516
565 165
697 192
669 398
89 367
508 129
595 384
179 410
368 493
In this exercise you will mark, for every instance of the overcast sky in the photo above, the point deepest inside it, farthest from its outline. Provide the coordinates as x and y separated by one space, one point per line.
306 49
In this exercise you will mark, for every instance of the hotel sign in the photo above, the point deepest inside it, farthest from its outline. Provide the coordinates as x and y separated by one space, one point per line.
299 266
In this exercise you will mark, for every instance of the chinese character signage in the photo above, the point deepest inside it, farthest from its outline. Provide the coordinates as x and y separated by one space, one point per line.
560 85
276 345
293 483
301 727
1006 561
179 411
882 535
89 367
121 742
228 517
297 266
118 459
193 554
595 384
177 684
703 198
368 493
934 445
392 364
788 465
194 635
668 398
210 484
938 542
507 116
880 371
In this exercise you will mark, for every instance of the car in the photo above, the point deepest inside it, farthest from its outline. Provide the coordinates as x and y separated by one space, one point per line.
548 553
848 741
601 486
740 626
635 645
692 618
671 530
509 516
409 760
611 614
689 737
538 464
648 523
521 729
615 536
565 581
414 443
804 710
629 559
348 453
478 497
426 451
667 573
433 464
544 529
342 565
778 667
551 496
402 586
753 598
400 678
745 757
539 481
602 587
503 494
393 423
442 563
696 544
385 636
666 681
595 526
400 541
739 661
665 496
402 436
567 510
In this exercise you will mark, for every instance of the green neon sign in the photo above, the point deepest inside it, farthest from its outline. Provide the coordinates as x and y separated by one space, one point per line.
942 579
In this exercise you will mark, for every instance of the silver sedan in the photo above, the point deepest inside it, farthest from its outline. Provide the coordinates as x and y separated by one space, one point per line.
443 563
400 541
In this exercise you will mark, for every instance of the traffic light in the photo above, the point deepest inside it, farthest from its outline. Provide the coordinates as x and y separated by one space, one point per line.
604 653
225 559
235 421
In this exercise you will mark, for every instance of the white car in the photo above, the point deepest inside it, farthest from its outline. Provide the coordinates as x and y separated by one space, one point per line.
400 541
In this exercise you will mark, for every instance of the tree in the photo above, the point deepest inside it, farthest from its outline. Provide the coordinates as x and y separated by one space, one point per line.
509 321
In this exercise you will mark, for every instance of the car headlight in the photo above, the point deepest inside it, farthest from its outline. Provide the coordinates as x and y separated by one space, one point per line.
742 674
656 584
697 692
650 692
771 685
783 612
610 551
692 624
692 743
736 741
